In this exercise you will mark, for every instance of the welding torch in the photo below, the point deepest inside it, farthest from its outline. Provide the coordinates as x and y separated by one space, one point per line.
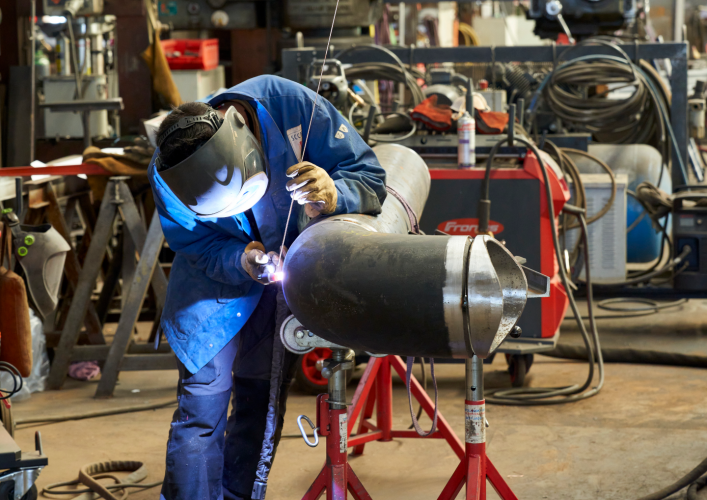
269 264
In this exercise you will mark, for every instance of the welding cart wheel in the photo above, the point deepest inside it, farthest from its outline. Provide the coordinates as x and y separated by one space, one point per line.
309 374
31 494
518 367
7 491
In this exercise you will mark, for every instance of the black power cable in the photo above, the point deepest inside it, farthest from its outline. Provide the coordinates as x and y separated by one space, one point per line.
17 380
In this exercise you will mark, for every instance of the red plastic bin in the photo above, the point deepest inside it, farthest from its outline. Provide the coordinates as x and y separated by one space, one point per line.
191 54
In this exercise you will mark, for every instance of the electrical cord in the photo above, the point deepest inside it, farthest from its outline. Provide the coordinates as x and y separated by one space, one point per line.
656 203
534 396
692 479
94 414
652 307
351 112
633 356
628 120
387 71
17 380
651 124
469 35
385 137
648 276
607 206
395 138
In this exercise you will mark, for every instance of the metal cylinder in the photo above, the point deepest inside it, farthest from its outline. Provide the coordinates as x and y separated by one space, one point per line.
474 379
364 282
337 381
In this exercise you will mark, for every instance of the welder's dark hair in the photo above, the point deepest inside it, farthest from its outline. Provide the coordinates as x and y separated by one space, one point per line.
182 143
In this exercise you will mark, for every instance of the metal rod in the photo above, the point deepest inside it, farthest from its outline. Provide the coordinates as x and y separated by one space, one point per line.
678 20
369 124
337 382
401 42
511 124
86 117
474 379
18 197
521 110
33 84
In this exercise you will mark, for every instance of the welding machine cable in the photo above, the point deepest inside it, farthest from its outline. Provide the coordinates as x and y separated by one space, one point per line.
90 473
277 374
691 479
557 395
412 216
408 377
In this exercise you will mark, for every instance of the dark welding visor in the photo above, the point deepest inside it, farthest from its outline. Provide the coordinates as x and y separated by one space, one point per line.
225 176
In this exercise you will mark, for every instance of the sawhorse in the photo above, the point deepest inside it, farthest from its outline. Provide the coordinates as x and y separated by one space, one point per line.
120 355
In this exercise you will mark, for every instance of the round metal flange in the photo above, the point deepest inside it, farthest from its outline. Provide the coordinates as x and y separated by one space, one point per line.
288 335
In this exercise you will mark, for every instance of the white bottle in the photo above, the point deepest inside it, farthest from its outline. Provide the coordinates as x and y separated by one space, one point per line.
466 132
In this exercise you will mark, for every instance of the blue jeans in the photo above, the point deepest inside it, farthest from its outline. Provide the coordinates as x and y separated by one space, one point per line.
212 455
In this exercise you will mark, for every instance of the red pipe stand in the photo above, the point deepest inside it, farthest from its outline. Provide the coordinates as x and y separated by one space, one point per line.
337 477
475 467
376 390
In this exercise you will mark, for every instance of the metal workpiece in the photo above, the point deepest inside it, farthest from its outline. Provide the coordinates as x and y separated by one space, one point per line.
508 279
373 287
407 174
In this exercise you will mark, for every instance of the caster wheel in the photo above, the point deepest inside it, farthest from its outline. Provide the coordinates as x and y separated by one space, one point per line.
309 375
518 367
31 494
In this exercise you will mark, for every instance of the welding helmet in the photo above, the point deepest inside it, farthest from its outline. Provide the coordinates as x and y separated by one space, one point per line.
227 175
41 251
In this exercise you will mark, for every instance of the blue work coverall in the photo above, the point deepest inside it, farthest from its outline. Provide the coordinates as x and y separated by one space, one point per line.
217 319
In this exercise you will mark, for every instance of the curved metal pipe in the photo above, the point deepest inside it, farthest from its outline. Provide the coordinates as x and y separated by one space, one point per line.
363 282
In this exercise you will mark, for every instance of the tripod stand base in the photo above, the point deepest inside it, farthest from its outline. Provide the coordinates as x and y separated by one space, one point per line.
336 480
475 468
376 390
336 477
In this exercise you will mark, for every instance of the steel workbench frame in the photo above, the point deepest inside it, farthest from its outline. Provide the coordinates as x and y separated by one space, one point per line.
676 52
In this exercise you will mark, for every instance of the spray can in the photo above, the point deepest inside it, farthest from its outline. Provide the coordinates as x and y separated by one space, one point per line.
466 132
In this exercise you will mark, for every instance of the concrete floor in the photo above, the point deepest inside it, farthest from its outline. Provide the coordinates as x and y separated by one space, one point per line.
644 430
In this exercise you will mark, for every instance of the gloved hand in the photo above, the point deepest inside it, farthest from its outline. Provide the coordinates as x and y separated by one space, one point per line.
257 263
311 185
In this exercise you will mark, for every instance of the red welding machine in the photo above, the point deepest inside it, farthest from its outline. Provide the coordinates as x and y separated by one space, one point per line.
520 218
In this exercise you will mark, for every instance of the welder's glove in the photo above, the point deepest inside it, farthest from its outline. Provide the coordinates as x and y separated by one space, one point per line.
311 186
254 260
258 264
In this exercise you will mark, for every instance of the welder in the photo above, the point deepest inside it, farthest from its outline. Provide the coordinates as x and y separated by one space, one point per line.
223 176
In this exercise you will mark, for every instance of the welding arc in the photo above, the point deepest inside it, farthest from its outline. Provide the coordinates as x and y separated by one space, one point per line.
311 118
